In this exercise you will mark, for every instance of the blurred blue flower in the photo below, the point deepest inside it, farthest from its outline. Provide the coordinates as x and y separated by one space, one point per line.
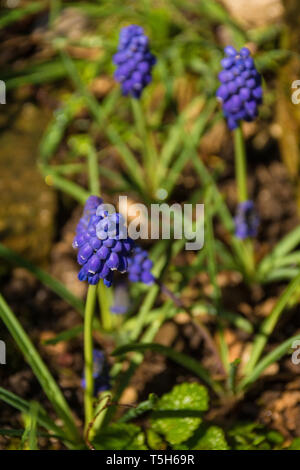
134 61
240 91
102 243
121 301
246 220
100 373
139 267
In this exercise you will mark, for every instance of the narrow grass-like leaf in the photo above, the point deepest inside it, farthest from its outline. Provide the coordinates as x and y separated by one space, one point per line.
24 406
68 187
269 359
39 368
128 158
65 335
285 246
32 437
269 324
16 14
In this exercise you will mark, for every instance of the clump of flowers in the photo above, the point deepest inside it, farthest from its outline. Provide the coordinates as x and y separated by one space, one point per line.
246 220
134 61
139 267
100 373
102 243
240 91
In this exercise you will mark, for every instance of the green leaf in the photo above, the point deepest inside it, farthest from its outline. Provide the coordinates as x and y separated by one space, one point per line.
11 16
65 185
272 59
154 440
295 445
39 368
269 324
129 160
273 356
213 438
24 406
56 129
185 361
121 437
65 335
252 436
32 437
142 408
179 413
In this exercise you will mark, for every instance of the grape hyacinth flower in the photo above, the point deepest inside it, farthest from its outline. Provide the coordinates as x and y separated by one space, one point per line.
121 301
134 61
102 243
139 267
246 220
100 373
240 91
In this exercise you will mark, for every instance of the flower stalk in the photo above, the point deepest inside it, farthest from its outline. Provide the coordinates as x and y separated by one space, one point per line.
88 353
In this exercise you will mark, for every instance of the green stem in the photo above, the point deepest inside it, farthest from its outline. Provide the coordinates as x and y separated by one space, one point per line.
104 302
88 353
240 164
149 152
213 271
241 180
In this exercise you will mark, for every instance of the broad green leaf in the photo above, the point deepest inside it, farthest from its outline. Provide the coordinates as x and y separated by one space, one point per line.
213 439
179 413
121 437
295 445
154 440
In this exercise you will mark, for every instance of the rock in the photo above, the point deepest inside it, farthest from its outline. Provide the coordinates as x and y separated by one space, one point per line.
27 204
255 13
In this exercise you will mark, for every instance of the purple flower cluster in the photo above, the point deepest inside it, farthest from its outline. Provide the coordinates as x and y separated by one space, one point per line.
100 373
134 61
240 91
246 220
102 243
139 267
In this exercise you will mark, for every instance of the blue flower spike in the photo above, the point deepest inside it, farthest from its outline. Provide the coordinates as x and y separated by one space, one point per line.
246 220
134 61
100 373
240 92
102 243
139 267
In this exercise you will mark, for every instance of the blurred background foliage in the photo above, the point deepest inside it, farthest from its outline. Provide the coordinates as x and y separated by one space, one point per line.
51 50
63 105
